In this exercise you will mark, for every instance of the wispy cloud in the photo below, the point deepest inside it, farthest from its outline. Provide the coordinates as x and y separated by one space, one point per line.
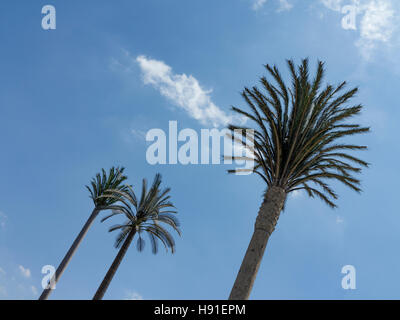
258 4
184 91
25 272
284 5
139 134
376 19
377 26
17 283
132 295
335 5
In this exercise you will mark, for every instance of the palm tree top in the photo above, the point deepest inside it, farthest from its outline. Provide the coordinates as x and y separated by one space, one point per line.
102 182
300 127
145 215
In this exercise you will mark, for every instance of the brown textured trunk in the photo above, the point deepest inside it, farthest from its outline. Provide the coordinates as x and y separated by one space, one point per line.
267 218
113 269
46 292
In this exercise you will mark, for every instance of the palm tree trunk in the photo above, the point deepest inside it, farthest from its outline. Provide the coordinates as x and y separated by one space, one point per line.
113 269
267 218
46 292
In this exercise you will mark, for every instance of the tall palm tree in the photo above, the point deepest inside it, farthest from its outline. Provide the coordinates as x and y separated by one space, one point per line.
143 216
102 182
297 146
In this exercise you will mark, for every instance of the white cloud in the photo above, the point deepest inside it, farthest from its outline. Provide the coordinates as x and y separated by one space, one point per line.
184 91
284 5
376 22
377 25
132 295
2 272
335 5
258 4
24 271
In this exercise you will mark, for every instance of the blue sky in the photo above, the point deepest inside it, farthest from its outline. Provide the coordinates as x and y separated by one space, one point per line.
81 97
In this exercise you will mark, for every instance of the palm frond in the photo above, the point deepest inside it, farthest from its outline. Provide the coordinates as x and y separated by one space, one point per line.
301 132
145 216
103 182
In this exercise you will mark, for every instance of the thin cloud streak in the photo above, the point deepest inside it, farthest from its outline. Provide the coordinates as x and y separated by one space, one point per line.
183 91
132 295
25 272
258 4
284 5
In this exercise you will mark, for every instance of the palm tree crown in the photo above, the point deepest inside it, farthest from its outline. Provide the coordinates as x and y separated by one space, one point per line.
299 127
102 182
99 185
145 215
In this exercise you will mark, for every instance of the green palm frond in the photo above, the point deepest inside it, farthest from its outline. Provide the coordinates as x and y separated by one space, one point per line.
299 131
144 216
121 236
140 243
103 182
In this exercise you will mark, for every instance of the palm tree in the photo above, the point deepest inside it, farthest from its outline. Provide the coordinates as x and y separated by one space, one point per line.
296 146
99 185
143 216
